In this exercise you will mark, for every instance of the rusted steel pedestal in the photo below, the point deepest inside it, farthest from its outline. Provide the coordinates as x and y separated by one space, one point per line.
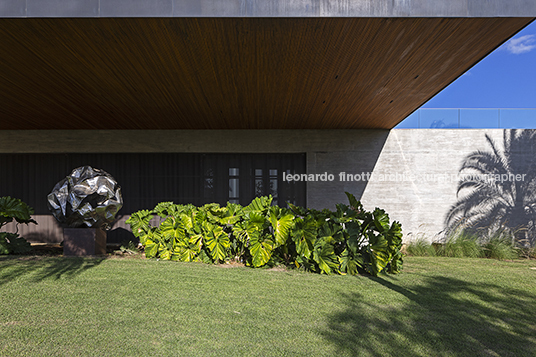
84 241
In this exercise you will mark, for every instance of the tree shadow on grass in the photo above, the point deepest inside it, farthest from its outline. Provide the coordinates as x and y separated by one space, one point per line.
40 268
442 317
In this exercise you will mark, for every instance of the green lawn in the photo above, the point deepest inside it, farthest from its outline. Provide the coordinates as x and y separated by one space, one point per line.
137 307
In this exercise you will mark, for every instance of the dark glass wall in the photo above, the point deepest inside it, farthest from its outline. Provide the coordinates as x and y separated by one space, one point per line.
147 179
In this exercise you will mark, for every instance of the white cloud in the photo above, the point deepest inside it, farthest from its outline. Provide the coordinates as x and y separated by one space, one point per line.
522 44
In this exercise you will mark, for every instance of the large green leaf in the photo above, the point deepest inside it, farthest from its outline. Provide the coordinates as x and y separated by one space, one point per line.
324 250
151 248
11 243
379 260
259 204
395 265
378 242
249 227
298 211
343 214
260 248
258 241
331 233
354 236
172 228
233 214
187 221
14 208
256 218
381 220
20 245
379 251
199 216
217 241
164 209
349 263
354 203
281 224
188 249
193 221
226 215
164 253
324 255
303 235
214 212
185 254
139 223
240 232
394 236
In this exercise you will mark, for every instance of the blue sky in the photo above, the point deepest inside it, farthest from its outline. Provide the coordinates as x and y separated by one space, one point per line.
506 78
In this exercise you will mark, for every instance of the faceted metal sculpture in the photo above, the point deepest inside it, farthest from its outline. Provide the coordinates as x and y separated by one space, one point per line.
88 197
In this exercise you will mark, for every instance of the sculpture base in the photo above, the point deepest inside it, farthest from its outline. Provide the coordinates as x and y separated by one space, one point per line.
84 241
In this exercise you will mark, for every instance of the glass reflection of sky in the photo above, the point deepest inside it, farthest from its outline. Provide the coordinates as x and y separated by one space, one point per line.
470 118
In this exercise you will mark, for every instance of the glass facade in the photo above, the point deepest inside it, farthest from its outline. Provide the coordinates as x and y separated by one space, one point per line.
147 179
470 118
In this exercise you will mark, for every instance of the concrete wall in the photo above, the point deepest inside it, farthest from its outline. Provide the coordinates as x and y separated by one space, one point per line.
414 169
267 8
420 175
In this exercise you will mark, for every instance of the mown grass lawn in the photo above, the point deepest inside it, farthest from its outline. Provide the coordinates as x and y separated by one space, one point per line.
137 307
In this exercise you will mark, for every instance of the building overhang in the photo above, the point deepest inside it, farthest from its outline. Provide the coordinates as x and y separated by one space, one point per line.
238 64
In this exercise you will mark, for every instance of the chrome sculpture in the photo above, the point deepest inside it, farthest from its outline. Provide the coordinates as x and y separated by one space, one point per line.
88 197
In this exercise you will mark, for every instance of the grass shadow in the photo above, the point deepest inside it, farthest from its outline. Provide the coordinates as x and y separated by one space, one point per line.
442 317
41 268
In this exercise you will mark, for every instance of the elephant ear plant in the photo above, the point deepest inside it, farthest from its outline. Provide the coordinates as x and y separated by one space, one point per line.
349 240
14 209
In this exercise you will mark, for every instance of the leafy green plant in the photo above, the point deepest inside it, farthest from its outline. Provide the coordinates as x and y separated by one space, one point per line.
14 209
500 248
461 245
349 240
420 247
128 247
464 245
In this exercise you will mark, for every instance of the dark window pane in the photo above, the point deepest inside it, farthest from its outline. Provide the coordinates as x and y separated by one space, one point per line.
259 187
233 171
233 188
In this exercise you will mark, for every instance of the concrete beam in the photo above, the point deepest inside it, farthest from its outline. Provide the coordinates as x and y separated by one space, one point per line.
267 8
188 141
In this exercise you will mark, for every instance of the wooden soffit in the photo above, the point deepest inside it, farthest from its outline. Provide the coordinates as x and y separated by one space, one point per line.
233 73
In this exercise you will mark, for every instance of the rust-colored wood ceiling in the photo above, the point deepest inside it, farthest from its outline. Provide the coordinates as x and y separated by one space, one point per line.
233 73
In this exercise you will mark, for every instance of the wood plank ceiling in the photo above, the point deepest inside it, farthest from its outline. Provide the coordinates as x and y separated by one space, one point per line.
233 73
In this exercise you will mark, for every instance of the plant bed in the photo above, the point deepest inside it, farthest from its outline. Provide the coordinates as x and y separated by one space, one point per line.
349 240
